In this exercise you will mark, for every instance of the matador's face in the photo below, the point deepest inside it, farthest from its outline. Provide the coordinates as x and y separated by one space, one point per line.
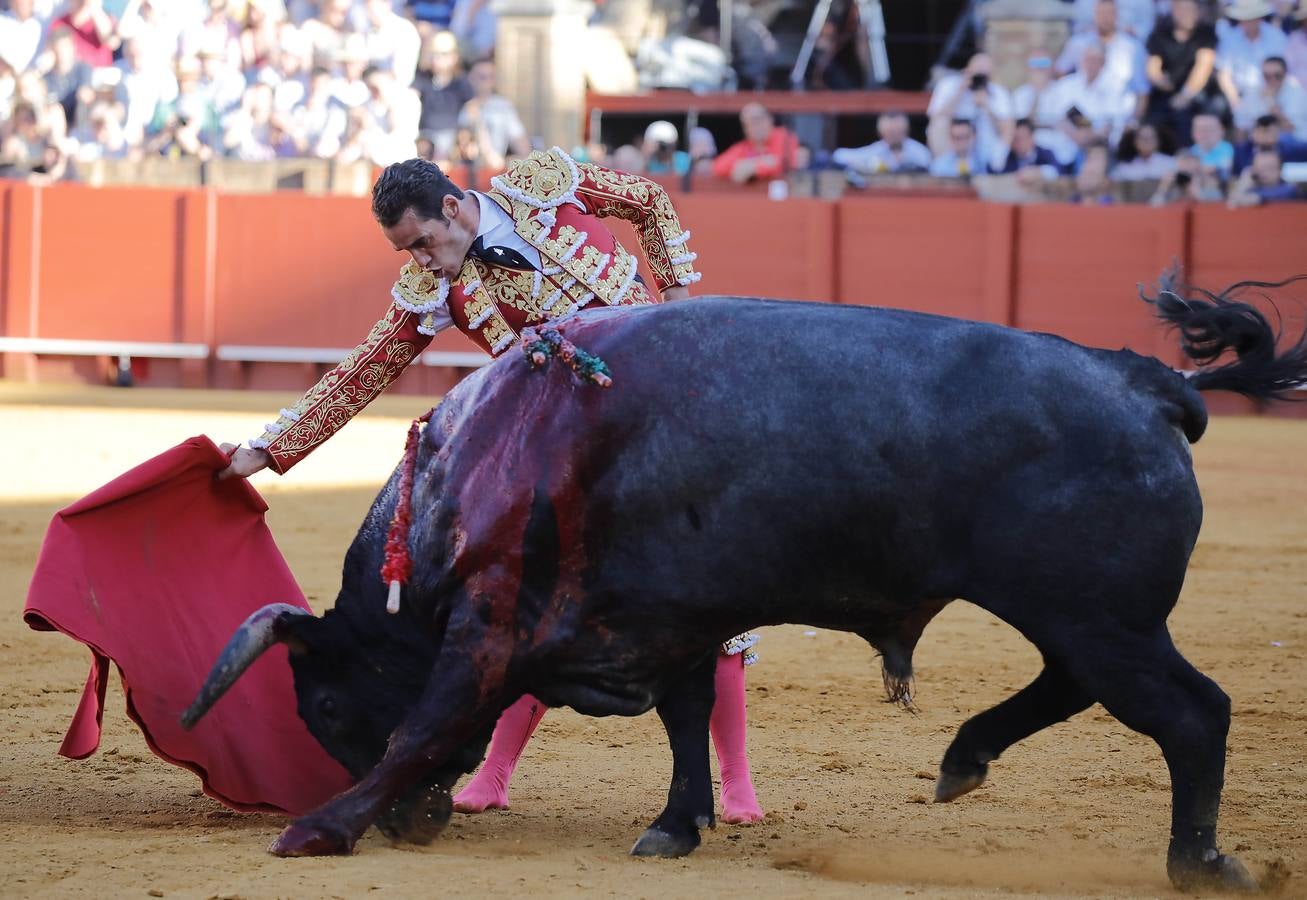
440 247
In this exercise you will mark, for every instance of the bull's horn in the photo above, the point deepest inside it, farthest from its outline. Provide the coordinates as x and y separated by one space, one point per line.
255 635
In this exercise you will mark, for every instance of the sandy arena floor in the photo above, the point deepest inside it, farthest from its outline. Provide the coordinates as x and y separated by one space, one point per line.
1078 810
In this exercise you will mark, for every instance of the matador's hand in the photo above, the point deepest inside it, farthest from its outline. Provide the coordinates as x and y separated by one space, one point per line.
679 292
244 463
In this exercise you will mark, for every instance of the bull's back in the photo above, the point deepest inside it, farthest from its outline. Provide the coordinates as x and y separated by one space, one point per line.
747 444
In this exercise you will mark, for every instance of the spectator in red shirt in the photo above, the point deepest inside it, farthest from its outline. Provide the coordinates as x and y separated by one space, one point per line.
767 150
94 31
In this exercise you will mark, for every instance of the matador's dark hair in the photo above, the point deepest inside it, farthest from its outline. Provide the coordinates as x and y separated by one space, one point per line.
415 184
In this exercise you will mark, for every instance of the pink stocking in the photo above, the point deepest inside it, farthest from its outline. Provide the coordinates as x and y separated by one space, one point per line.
728 725
488 789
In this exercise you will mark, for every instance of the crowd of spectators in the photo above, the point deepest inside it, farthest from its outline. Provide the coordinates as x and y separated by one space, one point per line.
346 80
1202 109
1192 100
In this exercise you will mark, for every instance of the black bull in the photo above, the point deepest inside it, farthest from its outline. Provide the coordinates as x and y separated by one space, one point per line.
760 463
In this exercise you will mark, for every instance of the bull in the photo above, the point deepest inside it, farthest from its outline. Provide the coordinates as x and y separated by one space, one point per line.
761 463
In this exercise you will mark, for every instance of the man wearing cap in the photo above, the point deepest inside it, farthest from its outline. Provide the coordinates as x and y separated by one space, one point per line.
659 149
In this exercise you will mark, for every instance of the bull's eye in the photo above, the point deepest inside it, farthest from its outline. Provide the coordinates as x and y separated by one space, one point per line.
327 707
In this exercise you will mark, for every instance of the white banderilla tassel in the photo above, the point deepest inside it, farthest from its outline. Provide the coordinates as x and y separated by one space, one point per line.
392 599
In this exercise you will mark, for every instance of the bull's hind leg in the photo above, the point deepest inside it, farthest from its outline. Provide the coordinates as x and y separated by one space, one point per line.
685 711
1144 682
1051 698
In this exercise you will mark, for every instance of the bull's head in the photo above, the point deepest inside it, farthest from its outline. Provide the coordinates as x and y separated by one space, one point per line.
354 683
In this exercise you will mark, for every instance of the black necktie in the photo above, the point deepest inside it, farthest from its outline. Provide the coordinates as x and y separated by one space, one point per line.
498 256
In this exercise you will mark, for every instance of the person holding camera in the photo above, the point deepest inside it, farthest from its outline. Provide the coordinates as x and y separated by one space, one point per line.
1189 183
659 150
971 95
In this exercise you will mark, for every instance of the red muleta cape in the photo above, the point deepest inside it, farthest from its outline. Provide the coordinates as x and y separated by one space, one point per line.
154 571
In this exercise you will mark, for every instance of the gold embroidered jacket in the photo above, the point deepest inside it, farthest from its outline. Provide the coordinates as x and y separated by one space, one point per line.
556 204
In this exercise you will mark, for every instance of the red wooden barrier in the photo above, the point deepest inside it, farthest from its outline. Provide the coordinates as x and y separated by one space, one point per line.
952 257
1264 244
84 237
299 271
1078 269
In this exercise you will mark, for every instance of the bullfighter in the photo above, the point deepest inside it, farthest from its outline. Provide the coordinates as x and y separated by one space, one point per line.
531 249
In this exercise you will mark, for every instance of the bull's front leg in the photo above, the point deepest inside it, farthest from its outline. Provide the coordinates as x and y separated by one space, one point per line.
685 711
463 695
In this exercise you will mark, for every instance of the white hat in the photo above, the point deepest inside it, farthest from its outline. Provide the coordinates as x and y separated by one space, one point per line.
1245 10
661 132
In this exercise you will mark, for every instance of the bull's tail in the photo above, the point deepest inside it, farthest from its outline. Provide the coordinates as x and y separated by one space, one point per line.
1211 324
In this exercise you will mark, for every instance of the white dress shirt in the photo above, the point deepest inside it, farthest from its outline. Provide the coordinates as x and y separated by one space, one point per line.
880 157
1105 103
1292 100
1243 58
1124 57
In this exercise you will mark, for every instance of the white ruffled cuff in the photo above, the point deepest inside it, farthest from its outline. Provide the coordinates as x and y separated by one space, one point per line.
742 643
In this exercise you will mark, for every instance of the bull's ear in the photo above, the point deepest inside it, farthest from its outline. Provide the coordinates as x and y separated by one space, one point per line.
294 631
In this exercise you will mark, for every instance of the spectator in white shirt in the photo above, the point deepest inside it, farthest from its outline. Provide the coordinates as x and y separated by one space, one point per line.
292 65
351 62
1295 51
1126 61
1040 101
318 123
894 152
393 42
216 34
20 35
1240 51
1106 103
492 119
971 95
1279 96
395 109
157 25
963 158
221 77
144 85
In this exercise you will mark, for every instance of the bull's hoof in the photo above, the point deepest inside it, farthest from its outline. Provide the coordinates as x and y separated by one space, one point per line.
952 785
1220 873
656 842
418 818
304 839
